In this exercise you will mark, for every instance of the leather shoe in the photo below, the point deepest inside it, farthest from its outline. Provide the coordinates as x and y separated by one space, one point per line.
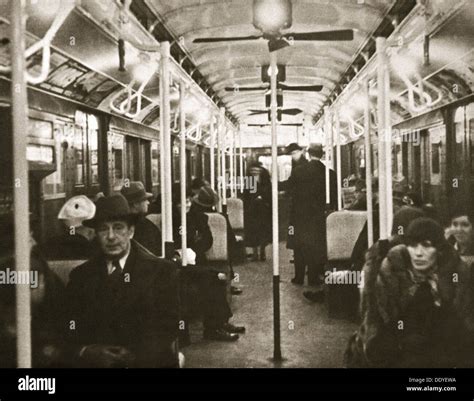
220 335
230 328
297 282
235 290
314 296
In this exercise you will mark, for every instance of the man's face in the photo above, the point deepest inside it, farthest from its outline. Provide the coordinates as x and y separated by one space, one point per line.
114 238
141 207
296 155
188 205
462 229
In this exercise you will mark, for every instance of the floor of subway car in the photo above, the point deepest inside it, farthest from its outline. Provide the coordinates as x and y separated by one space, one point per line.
309 338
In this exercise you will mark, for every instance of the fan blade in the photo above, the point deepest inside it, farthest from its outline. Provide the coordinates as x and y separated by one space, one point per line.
342 34
245 89
292 125
291 112
267 125
275 44
308 88
255 112
229 39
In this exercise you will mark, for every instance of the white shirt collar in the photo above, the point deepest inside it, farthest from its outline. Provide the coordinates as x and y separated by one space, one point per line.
122 262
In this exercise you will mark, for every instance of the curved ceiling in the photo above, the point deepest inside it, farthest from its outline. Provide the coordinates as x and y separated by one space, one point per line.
237 64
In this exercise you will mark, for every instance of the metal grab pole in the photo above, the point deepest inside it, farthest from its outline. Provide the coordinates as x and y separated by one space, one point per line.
368 167
388 148
182 174
338 161
165 116
380 46
21 185
241 161
220 122
275 256
212 154
162 170
326 131
231 165
235 164
223 157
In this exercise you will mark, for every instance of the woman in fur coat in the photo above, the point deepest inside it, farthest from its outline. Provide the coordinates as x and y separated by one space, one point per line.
416 306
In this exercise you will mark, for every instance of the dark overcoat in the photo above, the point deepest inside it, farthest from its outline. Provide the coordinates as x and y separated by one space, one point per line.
141 316
307 188
258 209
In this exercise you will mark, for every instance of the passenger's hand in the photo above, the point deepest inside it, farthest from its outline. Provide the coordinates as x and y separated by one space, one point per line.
107 356
221 276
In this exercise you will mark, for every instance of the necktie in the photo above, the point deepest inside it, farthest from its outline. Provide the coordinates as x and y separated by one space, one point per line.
116 276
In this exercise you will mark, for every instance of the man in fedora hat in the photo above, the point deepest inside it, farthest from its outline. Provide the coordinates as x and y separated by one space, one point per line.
147 234
122 305
297 159
307 187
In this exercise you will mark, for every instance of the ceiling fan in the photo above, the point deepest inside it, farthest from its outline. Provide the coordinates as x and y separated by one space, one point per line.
281 77
280 112
267 125
271 17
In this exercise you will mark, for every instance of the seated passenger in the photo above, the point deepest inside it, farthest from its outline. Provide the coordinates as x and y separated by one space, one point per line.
147 234
205 201
122 305
79 241
211 284
47 300
420 305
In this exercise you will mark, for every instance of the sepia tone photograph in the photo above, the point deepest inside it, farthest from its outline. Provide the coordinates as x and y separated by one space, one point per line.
270 184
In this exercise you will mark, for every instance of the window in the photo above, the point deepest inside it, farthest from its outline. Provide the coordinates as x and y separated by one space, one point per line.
86 149
117 142
93 139
54 183
155 163
79 147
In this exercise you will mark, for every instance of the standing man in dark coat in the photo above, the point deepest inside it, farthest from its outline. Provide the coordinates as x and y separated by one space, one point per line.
258 210
122 305
297 159
307 188
147 234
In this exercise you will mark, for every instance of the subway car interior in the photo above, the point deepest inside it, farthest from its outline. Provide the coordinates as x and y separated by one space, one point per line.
215 104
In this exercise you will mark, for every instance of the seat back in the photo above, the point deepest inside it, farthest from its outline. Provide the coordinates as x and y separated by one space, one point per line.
343 229
155 218
235 211
218 226
63 268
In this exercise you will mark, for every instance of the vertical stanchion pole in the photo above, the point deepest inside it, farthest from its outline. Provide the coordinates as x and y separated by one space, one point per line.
212 153
166 117
220 122
241 160
326 137
368 166
20 176
388 146
383 211
231 165
162 168
276 267
182 173
234 141
223 157
338 160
